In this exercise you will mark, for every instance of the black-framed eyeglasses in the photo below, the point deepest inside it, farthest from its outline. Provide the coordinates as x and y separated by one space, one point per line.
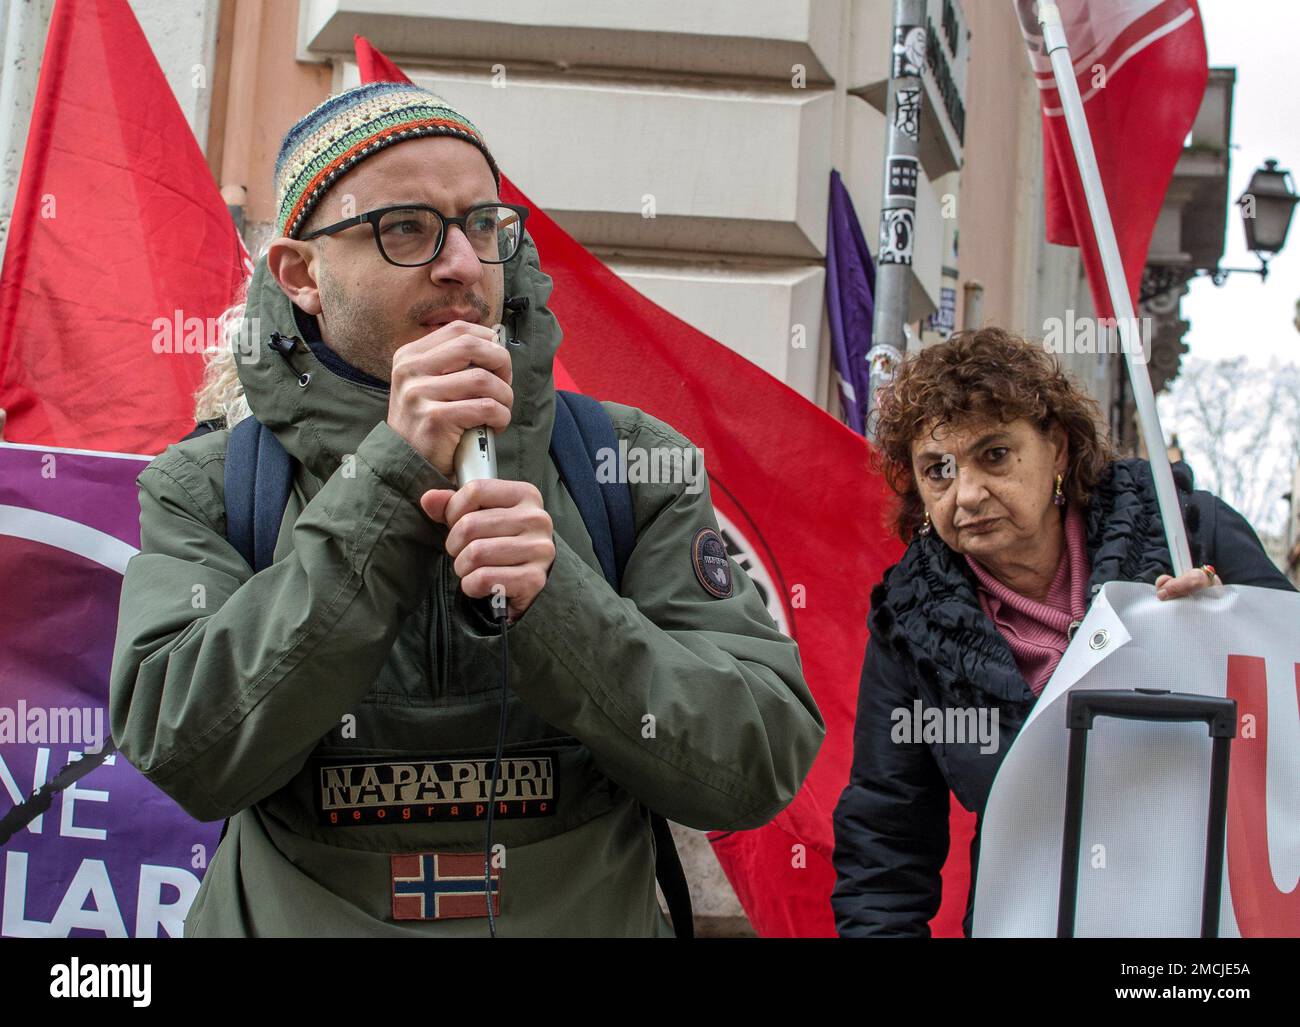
412 234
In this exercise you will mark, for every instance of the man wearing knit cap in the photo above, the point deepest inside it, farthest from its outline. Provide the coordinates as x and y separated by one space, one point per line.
342 705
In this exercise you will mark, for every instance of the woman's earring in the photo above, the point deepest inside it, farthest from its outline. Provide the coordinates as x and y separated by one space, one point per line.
1059 497
924 529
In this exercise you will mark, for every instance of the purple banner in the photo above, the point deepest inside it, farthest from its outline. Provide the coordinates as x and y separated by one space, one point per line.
113 856
850 285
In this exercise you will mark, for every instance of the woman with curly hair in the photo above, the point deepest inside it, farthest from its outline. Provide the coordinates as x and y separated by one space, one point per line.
1015 512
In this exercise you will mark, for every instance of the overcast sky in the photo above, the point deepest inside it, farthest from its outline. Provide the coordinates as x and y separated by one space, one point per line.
1261 39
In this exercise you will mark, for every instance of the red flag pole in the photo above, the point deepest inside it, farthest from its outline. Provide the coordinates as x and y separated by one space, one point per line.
1058 49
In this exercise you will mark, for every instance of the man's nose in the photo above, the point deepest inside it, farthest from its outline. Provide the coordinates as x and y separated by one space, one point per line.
457 263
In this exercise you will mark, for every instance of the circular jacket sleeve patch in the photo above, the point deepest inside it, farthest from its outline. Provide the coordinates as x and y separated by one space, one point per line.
709 556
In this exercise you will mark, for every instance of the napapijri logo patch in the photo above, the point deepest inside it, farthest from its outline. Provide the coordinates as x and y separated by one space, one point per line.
420 791
709 556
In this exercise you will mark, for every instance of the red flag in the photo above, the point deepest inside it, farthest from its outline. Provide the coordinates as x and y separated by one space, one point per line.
373 64
121 253
800 513
1141 68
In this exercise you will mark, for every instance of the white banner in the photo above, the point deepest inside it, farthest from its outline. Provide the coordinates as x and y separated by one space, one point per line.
1146 793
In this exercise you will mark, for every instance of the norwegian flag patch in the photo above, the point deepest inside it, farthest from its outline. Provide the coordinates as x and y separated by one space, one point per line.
442 886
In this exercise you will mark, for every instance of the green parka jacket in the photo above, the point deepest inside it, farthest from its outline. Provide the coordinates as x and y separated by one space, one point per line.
310 699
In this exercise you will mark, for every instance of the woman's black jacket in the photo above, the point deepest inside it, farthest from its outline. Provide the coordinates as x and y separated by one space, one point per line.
931 641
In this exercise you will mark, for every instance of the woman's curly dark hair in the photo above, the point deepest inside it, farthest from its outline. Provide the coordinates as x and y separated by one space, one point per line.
984 374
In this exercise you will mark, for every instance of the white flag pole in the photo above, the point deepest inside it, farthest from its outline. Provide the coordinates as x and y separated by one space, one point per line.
1057 47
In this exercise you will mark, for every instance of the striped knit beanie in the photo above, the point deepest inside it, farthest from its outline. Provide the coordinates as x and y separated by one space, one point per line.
346 129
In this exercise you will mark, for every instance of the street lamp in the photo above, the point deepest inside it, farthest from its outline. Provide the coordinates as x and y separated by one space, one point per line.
1272 194
1266 209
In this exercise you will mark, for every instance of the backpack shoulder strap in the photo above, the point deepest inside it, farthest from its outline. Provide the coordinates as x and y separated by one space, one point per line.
582 429
258 477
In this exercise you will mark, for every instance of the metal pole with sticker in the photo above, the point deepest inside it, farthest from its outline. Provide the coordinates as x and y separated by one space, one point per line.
898 204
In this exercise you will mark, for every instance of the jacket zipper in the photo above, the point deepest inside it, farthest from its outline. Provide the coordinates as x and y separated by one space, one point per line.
442 629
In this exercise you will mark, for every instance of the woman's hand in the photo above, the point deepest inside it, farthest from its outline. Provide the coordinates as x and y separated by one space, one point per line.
1169 587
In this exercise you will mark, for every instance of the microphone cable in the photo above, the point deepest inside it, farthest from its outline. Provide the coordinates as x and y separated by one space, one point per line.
500 612
513 307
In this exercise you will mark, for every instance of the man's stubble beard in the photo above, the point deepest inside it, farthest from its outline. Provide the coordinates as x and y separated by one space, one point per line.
362 334
365 334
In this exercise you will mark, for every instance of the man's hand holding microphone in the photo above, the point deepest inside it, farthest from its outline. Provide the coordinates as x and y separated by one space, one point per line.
445 384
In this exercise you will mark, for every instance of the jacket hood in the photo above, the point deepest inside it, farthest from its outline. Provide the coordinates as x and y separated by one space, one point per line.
927 609
320 408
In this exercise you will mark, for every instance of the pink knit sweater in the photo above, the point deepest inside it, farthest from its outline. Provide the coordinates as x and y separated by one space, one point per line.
1038 632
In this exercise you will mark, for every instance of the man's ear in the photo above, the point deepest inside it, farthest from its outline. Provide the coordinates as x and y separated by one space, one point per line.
295 266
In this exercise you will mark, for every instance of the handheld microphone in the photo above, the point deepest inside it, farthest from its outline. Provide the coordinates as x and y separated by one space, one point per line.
476 453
